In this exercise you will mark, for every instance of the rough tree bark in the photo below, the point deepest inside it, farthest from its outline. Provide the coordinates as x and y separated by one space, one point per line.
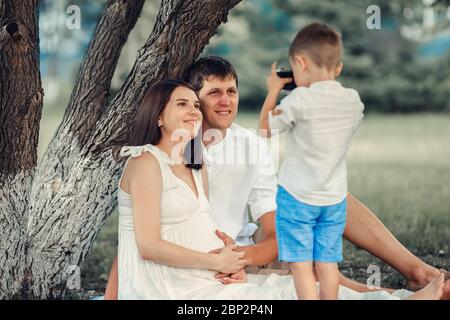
73 189
20 112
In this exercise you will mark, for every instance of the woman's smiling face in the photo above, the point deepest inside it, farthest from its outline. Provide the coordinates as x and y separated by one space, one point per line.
181 116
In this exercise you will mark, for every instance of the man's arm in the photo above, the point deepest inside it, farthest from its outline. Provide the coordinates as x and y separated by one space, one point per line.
112 289
266 250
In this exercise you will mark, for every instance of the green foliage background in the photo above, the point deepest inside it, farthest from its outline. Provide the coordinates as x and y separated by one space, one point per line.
383 65
392 70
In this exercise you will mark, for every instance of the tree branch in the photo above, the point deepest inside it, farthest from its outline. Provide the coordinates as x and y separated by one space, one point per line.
20 101
90 94
172 46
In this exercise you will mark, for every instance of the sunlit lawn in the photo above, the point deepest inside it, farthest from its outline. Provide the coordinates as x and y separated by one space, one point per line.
398 165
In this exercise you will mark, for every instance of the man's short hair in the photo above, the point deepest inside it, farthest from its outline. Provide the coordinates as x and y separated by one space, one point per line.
207 67
320 42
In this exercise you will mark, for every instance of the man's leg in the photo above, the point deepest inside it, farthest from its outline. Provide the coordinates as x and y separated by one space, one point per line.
365 230
111 292
357 286
283 268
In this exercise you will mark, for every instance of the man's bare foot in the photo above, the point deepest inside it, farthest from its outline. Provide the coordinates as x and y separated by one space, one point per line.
421 277
446 293
446 274
432 291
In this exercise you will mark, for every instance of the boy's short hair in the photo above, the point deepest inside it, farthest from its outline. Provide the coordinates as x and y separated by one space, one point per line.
320 42
211 66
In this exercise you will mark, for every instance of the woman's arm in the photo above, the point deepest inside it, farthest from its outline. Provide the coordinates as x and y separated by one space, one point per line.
112 289
264 251
145 185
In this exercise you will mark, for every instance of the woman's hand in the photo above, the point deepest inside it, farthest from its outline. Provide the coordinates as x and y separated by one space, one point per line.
229 261
237 277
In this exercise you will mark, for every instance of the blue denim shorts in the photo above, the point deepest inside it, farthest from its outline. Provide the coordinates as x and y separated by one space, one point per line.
308 233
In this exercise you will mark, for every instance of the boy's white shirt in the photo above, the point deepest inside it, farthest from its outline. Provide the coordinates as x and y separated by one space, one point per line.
319 121
242 179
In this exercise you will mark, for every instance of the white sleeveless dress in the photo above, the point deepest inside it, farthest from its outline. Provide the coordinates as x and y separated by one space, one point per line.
185 220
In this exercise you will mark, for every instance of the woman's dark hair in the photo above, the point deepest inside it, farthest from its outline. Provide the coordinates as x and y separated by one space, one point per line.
145 130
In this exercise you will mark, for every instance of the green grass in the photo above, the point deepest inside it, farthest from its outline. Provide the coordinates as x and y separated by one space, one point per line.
398 165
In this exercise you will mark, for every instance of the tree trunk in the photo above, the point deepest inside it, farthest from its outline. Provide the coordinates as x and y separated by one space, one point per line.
74 188
20 112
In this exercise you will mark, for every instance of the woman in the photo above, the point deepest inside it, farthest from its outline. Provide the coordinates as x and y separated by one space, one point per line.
166 233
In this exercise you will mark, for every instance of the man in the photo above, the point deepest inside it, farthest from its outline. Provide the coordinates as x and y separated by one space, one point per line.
237 187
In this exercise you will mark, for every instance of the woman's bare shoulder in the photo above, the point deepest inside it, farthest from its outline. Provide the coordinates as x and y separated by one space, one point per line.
146 159
142 168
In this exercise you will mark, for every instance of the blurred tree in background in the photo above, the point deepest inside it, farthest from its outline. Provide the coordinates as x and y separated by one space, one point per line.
61 48
401 67
388 67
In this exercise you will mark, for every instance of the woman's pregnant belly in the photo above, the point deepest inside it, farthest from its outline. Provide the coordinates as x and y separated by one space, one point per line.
197 233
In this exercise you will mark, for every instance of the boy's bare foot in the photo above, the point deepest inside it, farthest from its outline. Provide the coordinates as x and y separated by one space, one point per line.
432 291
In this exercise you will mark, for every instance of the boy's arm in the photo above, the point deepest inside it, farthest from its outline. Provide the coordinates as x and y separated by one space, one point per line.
112 288
274 86
269 104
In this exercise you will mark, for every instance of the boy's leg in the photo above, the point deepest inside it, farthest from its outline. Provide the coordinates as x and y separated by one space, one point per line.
328 248
294 224
366 231
328 273
304 281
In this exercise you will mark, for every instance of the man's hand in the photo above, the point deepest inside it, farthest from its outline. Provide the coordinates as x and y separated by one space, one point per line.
227 240
237 277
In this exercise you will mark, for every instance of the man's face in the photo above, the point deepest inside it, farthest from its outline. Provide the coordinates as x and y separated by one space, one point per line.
218 102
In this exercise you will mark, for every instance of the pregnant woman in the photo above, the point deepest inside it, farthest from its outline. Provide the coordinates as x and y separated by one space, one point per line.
166 232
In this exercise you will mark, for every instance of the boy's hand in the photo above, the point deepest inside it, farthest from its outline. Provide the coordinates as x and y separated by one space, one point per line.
274 83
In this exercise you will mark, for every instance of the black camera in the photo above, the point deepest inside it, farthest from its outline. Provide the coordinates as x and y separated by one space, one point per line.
283 73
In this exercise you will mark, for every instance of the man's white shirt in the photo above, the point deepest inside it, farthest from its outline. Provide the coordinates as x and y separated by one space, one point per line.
242 180
319 122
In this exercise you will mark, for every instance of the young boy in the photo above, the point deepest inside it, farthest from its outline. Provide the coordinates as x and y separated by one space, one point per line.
319 117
